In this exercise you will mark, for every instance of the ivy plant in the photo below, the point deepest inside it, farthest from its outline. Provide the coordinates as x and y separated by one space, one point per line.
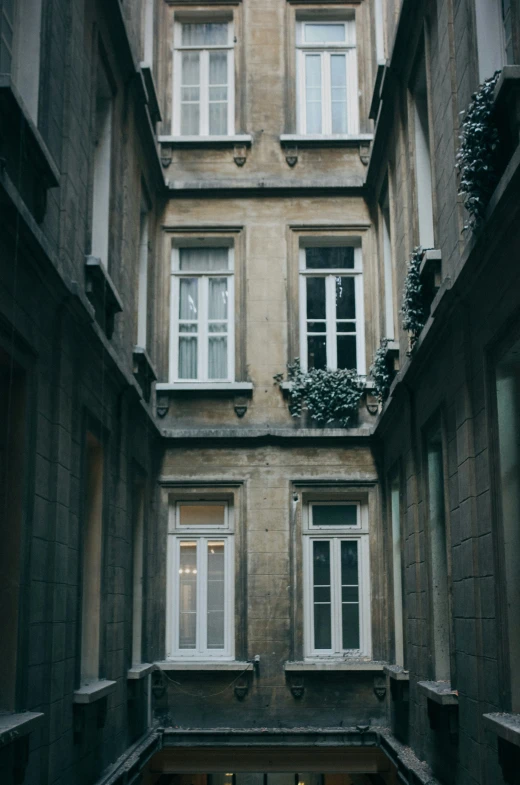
478 155
328 396
413 310
380 372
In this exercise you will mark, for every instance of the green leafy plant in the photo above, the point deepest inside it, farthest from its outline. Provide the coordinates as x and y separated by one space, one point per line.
478 155
328 396
380 372
413 310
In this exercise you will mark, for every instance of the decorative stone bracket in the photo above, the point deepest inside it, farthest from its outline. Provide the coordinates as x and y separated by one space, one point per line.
297 686
380 687
443 707
364 153
240 154
166 154
291 155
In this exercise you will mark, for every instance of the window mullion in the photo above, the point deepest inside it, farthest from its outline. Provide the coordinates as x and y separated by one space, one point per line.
330 300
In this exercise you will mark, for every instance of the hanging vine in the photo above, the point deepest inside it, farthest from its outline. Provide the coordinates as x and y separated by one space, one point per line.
380 372
328 396
478 155
413 310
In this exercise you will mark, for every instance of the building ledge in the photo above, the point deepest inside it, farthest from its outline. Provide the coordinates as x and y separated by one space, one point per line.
137 672
352 665
207 387
376 92
144 371
206 141
94 691
204 666
151 93
397 673
506 726
279 185
102 293
439 692
325 140
15 726
266 433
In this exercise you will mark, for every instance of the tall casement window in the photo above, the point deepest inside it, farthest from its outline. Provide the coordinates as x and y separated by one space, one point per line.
388 265
336 580
203 101
439 557
144 258
327 77
92 555
102 165
508 422
202 346
20 49
332 324
423 158
397 568
200 603
13 465
494 35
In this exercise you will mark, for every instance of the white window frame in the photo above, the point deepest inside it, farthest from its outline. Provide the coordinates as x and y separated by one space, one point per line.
349 49
203 334
331 333
336 535
179 48
201 535
314 528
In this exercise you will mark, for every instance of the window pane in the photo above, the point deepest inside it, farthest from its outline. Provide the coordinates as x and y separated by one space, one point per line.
188 595
316 327
218 298
338 77
218 107
350 595
316 298
347 351
316 351
334 515
210 34
324 33
190 93
322 609
313 93
345 299
203 259
218 358
341 258
216 595
188 299
190 120
202 514
218 68
187 358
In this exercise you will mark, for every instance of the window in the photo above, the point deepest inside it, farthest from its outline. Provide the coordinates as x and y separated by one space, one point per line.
137 509
144 253
494 35
423 167
332 330
204 79
202 299
148 27
397 569
388 266
438 554
379 25
201 597
337 603
508 417
92 548
327 78
102 166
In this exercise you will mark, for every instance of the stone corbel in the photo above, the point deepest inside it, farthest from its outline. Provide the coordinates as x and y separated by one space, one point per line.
166 155
240 406
240 154
163 405
241 689
380 687
297 687
364 152
291 155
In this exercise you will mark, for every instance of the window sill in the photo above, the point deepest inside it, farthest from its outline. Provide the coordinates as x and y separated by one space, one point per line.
190 387
94 691
397 673
506 726
206 141
144 371
325 140
439 692
208 666
352 665
137 672
102 293
15 726
151 92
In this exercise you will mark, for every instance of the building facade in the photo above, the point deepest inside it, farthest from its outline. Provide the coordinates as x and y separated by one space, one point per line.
204 207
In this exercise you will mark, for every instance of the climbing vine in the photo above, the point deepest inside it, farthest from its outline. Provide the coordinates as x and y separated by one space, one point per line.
380 372
328 396
478 155
413 309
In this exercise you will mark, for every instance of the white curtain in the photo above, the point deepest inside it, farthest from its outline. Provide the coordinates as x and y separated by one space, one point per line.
210 34
190 94
218 93
216 595
324 34
188 325
338 85
217 323
203 260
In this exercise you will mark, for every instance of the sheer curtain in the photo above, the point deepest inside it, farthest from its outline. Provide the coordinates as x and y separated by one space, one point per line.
218 92
313 93
202 260
190 94
217 328
210 34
